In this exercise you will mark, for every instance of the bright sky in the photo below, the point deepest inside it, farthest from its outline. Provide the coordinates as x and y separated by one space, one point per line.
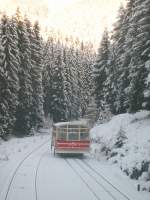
85 19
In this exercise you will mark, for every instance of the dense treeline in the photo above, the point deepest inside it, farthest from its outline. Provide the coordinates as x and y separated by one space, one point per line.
67 79
122 68
40 78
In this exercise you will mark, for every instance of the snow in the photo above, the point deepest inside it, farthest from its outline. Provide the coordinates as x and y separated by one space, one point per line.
136 148
41 175
118 180
64 184
13 152
80 122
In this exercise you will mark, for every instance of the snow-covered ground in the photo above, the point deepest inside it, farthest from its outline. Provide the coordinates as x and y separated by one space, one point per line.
14 151
125 142
29 170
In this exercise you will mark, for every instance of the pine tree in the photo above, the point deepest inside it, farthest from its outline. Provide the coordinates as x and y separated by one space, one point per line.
100 71
46 78
129 32
9 77
82 68
80 83
120 138
138 71
86 59
58 98
146 104
47 75
66 79
111 83
67 83
118 42
74 84
4 113
23 123
37 112
144 37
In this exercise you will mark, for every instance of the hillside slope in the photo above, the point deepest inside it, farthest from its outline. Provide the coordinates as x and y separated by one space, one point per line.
125 141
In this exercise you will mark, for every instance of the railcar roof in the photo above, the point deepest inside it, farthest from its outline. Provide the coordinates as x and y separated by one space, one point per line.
80 122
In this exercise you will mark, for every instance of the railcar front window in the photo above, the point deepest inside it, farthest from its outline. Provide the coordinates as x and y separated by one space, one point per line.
61 135
73 134
84 136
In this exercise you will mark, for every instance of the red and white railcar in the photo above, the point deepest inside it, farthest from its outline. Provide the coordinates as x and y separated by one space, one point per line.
70 137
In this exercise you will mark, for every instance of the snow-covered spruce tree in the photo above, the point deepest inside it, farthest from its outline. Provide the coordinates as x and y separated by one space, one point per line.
146 103
58 99
23 123
74 84
71 87
36 43
4 113
90 59
129 32
79 67
46 78
9 74
74 77
118 41
138 72
55 51
111 83
145 39
100 71
67 83
85 60
120 138
117 82
78 73
48 75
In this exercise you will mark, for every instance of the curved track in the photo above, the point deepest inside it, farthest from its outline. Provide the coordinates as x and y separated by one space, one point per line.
80 176
37 171
108 182
104 187
36 175
19 166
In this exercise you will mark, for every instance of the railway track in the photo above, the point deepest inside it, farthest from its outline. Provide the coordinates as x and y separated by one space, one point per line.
107 181
36 176
103 189
14 174
83 180
96 183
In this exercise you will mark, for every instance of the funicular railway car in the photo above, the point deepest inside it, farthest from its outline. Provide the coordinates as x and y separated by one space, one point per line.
70 137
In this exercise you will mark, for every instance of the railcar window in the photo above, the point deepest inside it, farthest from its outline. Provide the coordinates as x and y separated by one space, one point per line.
73 133
61 134
84 135
73 136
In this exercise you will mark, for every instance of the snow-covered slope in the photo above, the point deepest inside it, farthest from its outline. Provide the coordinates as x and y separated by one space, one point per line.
125 141
12 152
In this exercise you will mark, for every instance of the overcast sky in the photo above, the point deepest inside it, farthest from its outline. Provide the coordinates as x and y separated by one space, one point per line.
85 19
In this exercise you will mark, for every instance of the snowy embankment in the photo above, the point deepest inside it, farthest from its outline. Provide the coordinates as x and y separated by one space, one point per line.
125 141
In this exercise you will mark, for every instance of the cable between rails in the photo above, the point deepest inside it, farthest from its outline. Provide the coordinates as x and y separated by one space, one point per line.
124 195
100 184
92 191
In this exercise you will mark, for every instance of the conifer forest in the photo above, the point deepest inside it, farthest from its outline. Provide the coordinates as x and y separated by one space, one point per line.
40 77
56 78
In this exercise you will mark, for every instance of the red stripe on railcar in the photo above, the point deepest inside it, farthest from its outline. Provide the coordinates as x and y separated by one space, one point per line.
72 144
